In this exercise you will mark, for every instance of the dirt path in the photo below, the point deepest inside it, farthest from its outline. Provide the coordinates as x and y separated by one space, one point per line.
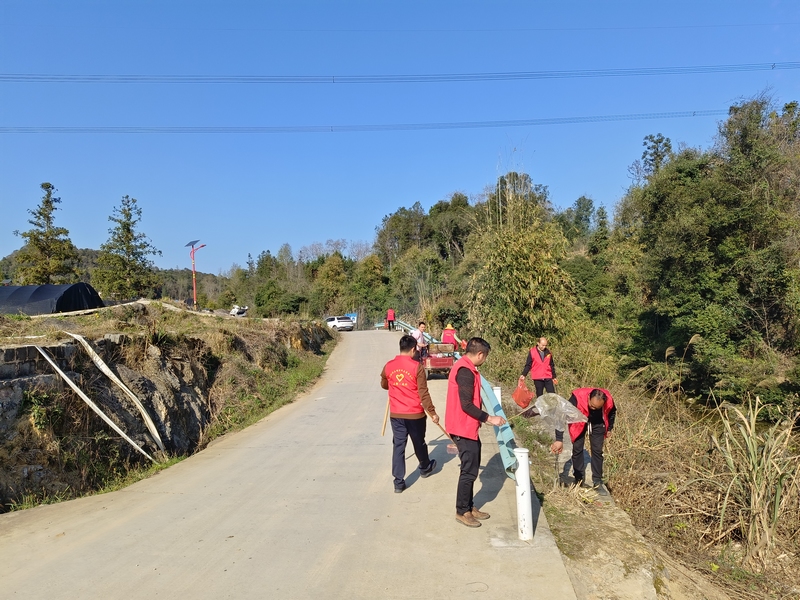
300 505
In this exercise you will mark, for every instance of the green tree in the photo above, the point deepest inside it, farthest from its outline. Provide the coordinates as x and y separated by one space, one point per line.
657 150
518 291
272 300
123 269
405 228
598 241
516 201
48 255
720 250
450 224
367 288
415 271
576 221
329 284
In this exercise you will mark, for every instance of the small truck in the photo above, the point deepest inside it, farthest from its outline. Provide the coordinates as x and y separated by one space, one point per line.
440 359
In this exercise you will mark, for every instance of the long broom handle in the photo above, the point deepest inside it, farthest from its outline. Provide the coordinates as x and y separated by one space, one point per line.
442 428
385 417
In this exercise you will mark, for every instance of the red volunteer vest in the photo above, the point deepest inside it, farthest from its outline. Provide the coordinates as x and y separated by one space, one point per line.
401 372
456 421
449 336
582 396
540 369
390 314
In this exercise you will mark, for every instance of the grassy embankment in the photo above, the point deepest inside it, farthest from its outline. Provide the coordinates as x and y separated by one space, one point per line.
248 368
718 490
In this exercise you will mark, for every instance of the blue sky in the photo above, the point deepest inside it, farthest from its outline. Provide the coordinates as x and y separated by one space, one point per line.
243 193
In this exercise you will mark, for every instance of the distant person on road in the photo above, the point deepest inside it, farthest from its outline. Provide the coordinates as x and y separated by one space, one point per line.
409 401
462 421
598 405
390 319
540 366
422 343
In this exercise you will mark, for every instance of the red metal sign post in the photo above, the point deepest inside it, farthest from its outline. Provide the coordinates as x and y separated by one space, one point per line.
194 273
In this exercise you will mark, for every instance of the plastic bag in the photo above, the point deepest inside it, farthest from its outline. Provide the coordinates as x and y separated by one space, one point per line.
557 412
522 395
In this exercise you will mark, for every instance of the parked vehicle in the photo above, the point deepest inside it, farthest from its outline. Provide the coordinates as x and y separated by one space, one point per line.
440 359
239 311
341 323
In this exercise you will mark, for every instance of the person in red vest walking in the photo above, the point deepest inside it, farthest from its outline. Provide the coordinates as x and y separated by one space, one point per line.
390 319
598 405
540 366
462 421
409 400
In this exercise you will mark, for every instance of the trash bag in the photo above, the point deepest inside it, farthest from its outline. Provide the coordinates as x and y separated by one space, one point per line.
558 412
522 395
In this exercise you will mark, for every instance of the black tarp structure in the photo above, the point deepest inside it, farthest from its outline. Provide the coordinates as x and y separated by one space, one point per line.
47 299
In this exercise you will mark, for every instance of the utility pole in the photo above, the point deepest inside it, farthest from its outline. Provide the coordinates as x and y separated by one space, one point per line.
194 273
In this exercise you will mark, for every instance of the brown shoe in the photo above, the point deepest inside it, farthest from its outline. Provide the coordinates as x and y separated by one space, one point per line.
467 519
481 516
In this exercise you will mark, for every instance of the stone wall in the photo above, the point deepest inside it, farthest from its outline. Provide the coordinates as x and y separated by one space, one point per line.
25 361
23 368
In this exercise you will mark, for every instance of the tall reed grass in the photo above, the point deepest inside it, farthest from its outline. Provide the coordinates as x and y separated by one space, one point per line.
757 478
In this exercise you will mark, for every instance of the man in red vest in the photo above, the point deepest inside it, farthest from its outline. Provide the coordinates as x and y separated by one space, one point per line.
409 400
540 366
462 421
598 405
390 319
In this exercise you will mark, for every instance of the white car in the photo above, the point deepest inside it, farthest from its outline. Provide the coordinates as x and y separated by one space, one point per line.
340 323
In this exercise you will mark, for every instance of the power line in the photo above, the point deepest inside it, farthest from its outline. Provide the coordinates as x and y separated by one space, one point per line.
505 30
367 79
138 129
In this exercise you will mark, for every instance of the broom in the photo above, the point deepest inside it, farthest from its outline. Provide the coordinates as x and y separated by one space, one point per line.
451 447
385 417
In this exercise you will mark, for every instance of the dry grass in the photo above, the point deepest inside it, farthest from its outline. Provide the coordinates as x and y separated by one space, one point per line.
689 481
717 491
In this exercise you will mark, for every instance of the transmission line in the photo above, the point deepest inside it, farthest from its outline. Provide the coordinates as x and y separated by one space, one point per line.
138 129
373 79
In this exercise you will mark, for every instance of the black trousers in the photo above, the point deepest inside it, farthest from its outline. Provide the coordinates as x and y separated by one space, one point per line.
391 325
469 451
402 429
596 440
543 384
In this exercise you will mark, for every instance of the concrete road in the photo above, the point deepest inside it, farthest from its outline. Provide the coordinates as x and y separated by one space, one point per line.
301 505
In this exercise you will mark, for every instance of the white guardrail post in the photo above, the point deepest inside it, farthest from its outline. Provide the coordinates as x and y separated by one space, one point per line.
524 504
523 480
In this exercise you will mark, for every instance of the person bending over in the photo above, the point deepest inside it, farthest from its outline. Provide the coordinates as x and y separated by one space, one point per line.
598 405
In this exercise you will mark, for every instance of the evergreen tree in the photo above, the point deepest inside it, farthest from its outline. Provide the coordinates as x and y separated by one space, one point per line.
658 150
48 255
123 269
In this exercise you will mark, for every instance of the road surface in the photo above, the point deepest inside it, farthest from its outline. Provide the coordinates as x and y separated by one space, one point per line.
300 505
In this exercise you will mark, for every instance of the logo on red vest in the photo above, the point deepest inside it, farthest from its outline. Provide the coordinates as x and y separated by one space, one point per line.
399 377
